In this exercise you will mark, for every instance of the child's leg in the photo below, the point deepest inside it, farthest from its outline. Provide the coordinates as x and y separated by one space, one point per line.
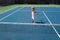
33 21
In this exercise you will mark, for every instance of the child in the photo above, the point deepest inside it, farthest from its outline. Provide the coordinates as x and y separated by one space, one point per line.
33 14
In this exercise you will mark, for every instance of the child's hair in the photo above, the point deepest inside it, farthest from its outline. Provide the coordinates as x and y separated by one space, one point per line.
33 8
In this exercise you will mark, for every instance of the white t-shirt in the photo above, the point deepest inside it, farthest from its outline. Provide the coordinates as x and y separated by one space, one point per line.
32 14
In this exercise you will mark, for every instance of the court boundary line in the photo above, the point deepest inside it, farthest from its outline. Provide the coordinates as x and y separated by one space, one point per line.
51 24
17 23
9 10
10 14
49 11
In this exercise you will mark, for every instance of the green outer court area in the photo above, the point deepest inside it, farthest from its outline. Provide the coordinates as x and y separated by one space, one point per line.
6 8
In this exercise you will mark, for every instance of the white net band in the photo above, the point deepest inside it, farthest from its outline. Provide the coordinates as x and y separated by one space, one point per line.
17 23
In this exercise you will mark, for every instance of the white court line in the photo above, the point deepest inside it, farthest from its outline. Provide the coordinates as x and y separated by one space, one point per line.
9 10
49 11
51 24
10 14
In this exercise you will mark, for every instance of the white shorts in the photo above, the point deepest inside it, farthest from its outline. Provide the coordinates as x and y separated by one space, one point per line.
32 15
33 18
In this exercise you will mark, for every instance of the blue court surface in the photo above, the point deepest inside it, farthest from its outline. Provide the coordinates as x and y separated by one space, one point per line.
49 15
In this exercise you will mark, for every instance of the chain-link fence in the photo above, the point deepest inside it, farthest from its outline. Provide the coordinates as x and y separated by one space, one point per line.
7 2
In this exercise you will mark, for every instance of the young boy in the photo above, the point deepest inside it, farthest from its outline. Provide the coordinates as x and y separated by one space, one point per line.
33 14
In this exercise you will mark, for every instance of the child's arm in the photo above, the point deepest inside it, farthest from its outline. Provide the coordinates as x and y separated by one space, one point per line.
36 13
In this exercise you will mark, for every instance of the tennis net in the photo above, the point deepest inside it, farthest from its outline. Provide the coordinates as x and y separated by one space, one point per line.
17 23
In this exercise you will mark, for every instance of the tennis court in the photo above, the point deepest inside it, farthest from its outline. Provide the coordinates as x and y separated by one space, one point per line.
16 24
